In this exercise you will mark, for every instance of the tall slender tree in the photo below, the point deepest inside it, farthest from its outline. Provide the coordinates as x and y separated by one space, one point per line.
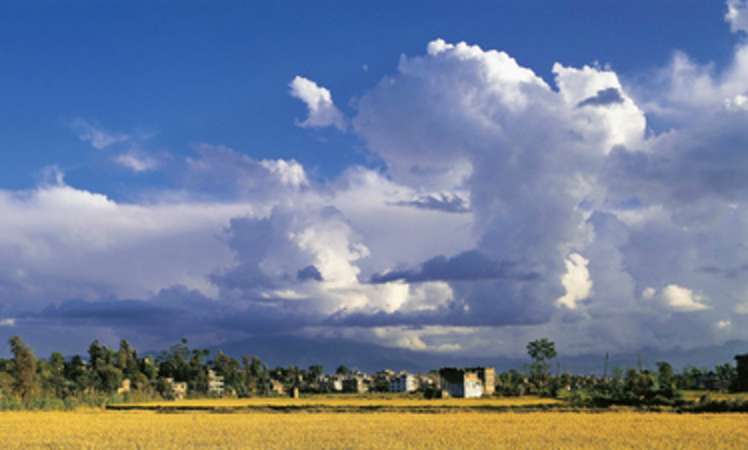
24 368
541 351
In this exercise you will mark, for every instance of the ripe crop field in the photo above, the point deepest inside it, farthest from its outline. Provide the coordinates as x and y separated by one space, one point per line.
463 430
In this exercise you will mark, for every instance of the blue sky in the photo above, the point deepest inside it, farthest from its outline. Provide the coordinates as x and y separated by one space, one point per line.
218 72
424 176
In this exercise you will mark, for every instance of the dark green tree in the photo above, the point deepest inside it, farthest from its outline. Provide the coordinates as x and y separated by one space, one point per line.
315 371
726 375
56 381
541 351
77 373
24 369
127 360
97 354
229 369
175 363
256 375
197 378
149 368
109 378
666 379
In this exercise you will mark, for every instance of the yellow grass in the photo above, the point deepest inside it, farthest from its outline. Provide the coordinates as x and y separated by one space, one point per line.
353 402
149 430
695 395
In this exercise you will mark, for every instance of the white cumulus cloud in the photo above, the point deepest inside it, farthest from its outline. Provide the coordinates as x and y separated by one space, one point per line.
682 299
576 281
322 112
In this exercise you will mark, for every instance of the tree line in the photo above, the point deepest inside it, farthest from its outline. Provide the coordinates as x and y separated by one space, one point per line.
633 386
97 378
26 380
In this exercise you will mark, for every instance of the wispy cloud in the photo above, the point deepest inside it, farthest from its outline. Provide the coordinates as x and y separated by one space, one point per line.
137 161
98 137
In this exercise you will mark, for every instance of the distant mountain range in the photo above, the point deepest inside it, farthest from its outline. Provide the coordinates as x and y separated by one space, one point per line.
288 350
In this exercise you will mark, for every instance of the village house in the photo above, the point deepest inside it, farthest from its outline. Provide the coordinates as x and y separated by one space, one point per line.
487 376
403 382
461 383
276 387
355 385
428 380
124 387
468 383
178 389
381 380
215 384
332 384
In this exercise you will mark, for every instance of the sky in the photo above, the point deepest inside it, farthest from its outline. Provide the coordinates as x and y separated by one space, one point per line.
396 175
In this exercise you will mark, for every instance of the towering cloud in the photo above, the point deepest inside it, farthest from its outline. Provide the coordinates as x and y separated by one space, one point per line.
509 206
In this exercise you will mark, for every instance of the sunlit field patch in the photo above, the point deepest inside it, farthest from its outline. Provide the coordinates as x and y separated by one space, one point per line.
151 430
719 396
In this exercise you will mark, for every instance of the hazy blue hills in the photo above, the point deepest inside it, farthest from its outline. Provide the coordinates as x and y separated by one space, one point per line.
288 350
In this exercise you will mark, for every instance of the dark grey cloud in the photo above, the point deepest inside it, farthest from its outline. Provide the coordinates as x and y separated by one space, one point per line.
439 202
175 307
471 265
109 312
169 315
249 239
499 313
309 273
604 97
726 272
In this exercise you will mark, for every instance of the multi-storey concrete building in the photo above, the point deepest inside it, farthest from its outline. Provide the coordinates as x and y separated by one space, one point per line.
487 376
356 385
462 383
215 383
403 382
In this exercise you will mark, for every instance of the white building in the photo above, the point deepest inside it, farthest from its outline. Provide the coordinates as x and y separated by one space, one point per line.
404 383
463 383
215 383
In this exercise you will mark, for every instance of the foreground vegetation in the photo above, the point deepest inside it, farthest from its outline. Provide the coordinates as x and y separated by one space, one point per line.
109 376
148 430
532 408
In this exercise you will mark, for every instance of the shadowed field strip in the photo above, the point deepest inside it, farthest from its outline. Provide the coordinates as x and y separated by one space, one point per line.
148 430
342 405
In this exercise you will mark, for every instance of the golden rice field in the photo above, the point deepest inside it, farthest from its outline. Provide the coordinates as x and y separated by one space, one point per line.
461 430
